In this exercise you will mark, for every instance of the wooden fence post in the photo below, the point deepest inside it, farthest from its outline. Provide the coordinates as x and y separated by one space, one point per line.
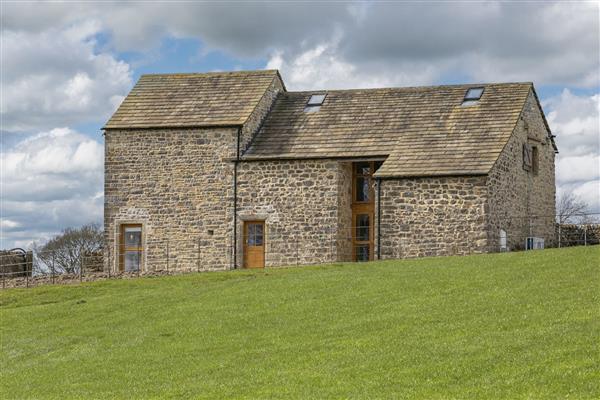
198 261
167 256
52 268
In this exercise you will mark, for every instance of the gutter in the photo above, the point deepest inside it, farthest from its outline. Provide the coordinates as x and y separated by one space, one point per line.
378 180
235 169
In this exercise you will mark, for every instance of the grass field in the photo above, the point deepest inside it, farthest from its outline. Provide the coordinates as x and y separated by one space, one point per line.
518 325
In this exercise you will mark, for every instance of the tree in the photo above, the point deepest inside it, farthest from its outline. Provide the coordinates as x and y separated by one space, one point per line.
64 252
570 206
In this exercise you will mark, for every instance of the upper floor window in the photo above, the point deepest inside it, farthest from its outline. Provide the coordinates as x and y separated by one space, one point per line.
534 160
363 181
362 189
315 102
472 96
531 158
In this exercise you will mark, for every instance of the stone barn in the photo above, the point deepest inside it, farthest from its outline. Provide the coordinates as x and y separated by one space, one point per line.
231 170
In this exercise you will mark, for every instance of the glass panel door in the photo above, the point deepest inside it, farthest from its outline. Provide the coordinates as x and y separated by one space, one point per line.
130 248
254 247
363 209
362 237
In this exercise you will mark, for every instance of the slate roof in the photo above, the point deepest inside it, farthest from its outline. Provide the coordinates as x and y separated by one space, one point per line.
186 100
424 130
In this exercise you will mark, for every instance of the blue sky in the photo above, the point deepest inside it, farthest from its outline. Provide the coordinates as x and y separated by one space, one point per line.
67 66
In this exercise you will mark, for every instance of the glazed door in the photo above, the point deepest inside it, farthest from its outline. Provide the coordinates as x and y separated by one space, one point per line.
363 210
130 248
254 244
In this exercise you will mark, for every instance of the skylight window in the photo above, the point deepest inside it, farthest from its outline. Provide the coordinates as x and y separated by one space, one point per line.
314 103
316 100
472 96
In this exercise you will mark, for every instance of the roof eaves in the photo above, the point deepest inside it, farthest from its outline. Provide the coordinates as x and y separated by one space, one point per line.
154 127
428 175
550 135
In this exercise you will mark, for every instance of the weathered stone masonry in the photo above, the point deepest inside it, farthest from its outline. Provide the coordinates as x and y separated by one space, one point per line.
521 202
178 183
460 215
243 148
298 200
432 216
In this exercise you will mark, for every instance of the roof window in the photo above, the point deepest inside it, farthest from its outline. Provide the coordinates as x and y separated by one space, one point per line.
472 96
314 103
316 100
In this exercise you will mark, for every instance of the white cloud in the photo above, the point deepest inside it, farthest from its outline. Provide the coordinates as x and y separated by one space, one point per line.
56 77
307 71
407 42
8 224
571 169
590 193
575 120
50 181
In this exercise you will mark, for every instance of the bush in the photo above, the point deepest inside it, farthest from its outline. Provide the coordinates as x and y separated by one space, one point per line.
65 251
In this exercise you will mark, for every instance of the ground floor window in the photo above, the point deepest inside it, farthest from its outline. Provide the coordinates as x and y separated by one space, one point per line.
130 247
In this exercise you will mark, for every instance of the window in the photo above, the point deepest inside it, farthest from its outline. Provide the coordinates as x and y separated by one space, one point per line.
316 100
362 182
534 160
362 227
474 93
472 96
362 252
131 248
527 157
255 234
363 209
314 103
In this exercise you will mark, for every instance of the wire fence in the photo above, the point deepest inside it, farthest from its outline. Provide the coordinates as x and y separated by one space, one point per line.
273 247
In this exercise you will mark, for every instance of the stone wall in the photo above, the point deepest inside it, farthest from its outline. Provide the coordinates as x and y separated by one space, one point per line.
298 200
93 261
578 234
15 263
177 183
432 216
344 206
522 203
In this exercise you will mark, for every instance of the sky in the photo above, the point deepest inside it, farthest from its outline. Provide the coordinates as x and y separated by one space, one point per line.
66 66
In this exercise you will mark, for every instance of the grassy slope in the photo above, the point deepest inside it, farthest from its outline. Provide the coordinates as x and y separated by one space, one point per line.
520 325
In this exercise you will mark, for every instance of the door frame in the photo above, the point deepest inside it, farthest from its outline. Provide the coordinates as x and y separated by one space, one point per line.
247 223
363 207
121 249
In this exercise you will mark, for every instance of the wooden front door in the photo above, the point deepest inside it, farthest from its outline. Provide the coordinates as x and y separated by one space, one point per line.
363 210
254 244
130 248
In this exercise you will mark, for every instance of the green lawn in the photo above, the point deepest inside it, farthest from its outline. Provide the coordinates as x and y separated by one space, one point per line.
518 325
